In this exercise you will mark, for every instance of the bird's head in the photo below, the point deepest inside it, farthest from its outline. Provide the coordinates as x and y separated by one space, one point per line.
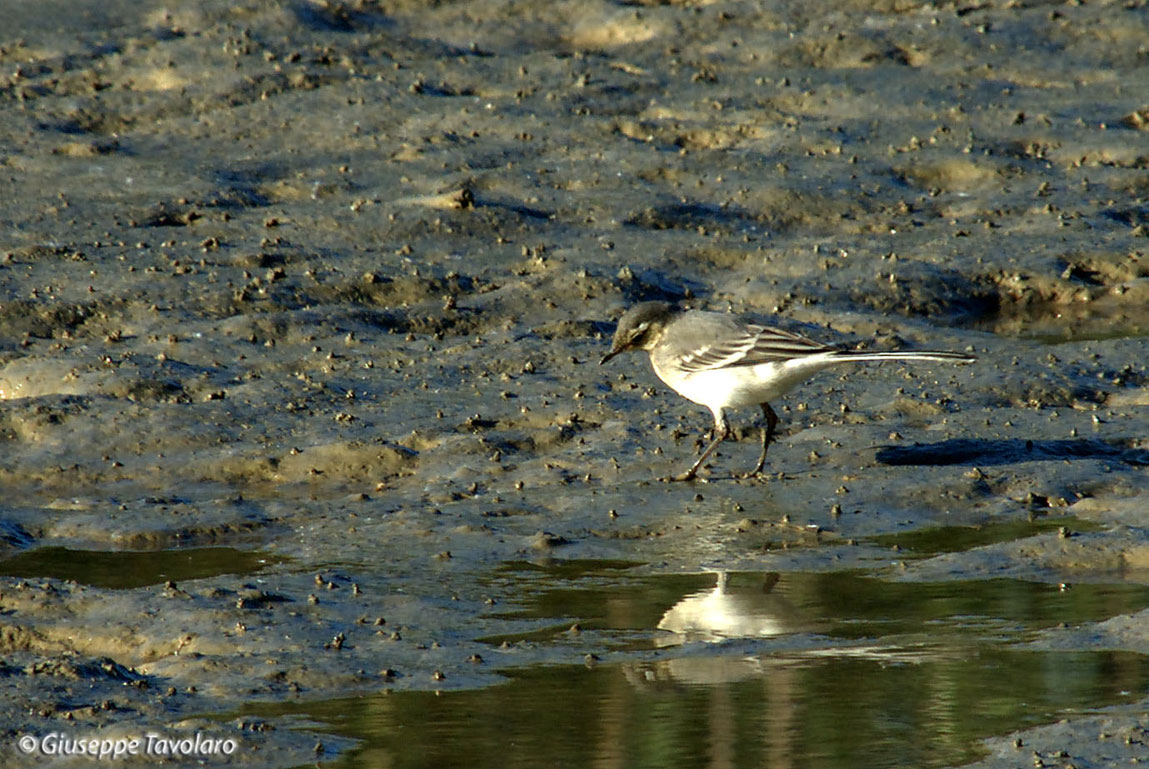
639 328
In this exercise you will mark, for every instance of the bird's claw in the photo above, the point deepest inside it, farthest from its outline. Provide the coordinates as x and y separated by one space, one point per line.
682 477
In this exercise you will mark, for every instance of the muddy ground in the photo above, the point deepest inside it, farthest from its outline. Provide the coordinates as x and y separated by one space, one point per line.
329 282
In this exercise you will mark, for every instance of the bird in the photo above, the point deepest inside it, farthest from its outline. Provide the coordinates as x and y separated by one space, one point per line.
721 362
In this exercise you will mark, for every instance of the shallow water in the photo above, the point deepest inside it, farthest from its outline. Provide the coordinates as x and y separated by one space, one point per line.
810 670
1060 323
954 539
831 712
836 605
125 569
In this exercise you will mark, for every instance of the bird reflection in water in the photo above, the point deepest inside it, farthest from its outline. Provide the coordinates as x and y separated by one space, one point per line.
723 613
752 610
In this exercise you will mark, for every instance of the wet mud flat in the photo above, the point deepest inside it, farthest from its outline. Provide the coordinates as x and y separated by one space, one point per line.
300 310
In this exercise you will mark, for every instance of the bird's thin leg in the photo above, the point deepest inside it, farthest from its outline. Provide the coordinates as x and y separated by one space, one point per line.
721 432
767 435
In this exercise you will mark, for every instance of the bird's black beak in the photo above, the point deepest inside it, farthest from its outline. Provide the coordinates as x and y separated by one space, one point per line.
608 356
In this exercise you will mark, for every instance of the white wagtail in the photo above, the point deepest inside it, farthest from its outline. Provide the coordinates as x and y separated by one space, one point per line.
721 362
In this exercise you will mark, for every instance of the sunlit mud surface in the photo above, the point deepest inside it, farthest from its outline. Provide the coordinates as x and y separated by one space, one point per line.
301 305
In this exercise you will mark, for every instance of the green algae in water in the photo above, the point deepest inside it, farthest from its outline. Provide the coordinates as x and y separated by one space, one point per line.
125 569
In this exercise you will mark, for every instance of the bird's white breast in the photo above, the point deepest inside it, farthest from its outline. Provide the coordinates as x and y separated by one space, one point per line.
738 386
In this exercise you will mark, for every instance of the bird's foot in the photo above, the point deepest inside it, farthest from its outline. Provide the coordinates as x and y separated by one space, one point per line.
687 476
757 472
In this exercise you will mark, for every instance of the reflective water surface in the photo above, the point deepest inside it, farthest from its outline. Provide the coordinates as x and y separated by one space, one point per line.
751 670
1060 322
792 712
952 539
124 569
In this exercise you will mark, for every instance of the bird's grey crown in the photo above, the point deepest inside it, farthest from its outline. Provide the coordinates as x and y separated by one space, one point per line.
641 324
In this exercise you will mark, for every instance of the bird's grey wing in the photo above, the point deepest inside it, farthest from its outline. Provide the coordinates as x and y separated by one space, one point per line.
750 346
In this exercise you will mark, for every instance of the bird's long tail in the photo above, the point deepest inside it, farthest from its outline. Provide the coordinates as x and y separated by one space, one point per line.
855 356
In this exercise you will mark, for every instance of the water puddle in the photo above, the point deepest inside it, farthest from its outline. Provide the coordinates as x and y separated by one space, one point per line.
125 569
837 713
752 669
835 605
1057 323
954 539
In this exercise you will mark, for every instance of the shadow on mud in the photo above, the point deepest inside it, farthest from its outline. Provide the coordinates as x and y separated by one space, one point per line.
969 451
